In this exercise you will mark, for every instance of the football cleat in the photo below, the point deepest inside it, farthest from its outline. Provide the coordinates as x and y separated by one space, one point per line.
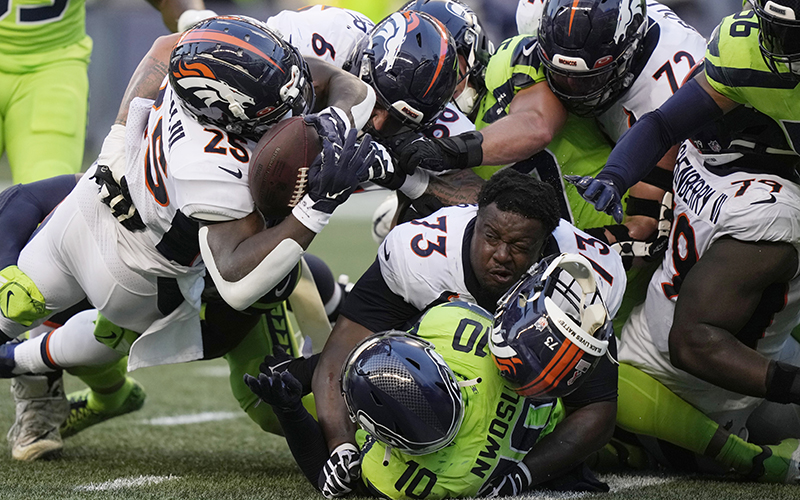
778 463
41 408
82 416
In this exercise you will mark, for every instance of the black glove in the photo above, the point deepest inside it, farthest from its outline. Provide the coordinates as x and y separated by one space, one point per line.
601 193
382 171
332 178
301 369
341 472
118 199
279 389
512 483
331 123
437 155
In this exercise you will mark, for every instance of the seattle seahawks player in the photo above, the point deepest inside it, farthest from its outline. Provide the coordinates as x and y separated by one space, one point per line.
734 237
431 402
475 253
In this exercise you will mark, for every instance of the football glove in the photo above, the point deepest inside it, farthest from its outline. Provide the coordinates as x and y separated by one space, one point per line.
331 123
438 155
118 199
341 472
332 178
601 193
279 389
511 484
301 369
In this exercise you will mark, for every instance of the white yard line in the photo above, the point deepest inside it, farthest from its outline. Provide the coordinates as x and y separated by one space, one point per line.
194 418
125 482
618 483
213 371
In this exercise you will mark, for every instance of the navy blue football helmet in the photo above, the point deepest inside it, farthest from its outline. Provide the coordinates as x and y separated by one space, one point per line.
410 61
588 47
551 329
401 391
234 73
471 43
779 34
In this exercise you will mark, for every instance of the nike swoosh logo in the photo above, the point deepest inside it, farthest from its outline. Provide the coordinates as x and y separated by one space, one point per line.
237 173
279 291
8 298
771 199
334 195
526 51
386 253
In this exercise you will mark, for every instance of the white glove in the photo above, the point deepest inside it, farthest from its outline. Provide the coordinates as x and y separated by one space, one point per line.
341 472
190 17
112 152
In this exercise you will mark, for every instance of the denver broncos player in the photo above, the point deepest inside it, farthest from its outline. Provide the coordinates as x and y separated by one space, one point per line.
475 253
201 126
735 237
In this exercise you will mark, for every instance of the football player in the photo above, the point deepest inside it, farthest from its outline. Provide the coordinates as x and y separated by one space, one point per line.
475 253
716 326
432 402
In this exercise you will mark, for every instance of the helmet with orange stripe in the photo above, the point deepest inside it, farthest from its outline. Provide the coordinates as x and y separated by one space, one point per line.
410 61
589 49
234 73
551 329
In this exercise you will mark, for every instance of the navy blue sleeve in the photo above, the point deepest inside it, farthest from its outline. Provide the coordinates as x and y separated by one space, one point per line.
644 144
22 209
601 384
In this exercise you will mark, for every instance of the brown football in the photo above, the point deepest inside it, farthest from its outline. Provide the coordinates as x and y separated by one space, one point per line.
279 166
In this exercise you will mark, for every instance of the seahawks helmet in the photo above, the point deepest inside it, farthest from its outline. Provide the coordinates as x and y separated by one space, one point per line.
551 329
471 43
410 61
779 35
234 73
588 49
401 391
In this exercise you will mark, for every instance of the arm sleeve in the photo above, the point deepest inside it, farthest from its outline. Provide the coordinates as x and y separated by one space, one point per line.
601 384
306 441
372 304
22 209
641 147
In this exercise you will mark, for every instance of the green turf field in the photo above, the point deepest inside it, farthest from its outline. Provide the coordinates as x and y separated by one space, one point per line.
191 440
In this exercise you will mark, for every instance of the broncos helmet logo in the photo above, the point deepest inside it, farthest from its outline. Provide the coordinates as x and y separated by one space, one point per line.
212 91
391 36
627 11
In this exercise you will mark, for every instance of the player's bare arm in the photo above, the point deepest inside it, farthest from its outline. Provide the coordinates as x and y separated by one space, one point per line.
149 75
535 117
718 298
331 409
335 87
455 188
584 431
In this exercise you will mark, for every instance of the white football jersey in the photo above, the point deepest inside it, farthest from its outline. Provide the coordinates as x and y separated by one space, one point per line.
181 165
322 32
451 122
422 259
679 48
740 205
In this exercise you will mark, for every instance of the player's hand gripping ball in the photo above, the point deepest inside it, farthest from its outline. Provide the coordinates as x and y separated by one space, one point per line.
279 166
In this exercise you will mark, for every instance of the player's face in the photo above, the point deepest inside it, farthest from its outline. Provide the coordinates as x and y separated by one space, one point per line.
504 245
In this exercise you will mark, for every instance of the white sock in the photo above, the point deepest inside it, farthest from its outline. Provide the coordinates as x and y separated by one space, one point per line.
71 345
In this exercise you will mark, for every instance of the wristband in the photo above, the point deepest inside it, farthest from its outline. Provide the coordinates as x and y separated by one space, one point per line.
314 220
783 383
415 184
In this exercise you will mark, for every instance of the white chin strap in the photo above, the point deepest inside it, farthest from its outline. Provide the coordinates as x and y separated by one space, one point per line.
467 99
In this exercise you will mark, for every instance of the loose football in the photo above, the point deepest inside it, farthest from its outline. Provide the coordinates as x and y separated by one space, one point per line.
279 166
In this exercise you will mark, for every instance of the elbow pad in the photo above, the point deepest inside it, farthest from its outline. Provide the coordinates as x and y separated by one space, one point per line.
263 278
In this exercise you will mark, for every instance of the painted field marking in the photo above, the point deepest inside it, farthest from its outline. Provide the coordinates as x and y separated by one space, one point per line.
194 418
125 482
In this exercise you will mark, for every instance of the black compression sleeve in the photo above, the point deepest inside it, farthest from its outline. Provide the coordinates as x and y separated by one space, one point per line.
22 209
641 147
601 384
305 439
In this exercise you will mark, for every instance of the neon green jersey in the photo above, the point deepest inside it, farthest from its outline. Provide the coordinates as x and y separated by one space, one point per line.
734 68
498 429
37 26
580 148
